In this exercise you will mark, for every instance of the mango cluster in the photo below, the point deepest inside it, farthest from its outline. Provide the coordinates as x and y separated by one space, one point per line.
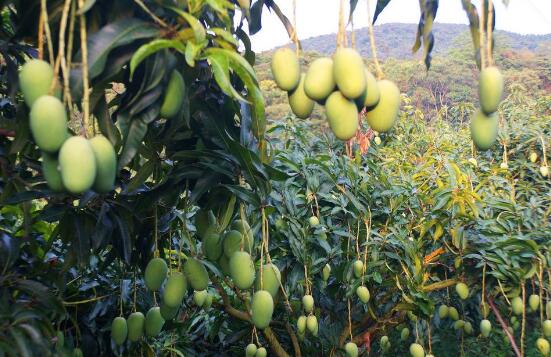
69 163
343 85
484 123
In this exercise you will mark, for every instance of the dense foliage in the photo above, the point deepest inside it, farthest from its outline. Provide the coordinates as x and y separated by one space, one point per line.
416 209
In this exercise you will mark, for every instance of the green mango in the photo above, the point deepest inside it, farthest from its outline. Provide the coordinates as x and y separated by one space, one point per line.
342 115
199 297
155 274
301 324
484 130
50 170
363 294
262 309
404 334
261 352
174 94
452 312
358 267
326 272
312 324
119 330
517 305
106 164
349 72
286 69
485 327
547 328
154 322
382 117
77 164
196 274
308 303
35 80
232 243
462 290
301 105
490 89
242 270
319 81
136 324
175 290
443 312
371 95
416 350
48 122
251 349
271 278
534 302
212 245
351 349
543 346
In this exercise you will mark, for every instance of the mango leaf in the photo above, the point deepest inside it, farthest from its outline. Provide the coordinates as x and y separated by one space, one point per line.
353 4
225 35
148 49
132 141
424 34
381 4
198 29
255 23
220 69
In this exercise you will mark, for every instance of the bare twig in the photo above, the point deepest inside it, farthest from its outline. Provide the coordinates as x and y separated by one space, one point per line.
504 326
153 16
85 79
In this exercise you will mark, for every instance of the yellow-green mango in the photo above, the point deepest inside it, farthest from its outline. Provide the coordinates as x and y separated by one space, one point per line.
208 301
462 290
48 122
301 105
351 349
50 170
452 313
271 277
199 297
385 343
443 311
459 324
242 270
416 350
196 274
371 95
358 267
543 346
119 330
382 117
490 89
308 303
468 328
547 328
168 313
175 290
245 229
485 327
251 349
173 98
312 324
212 245
517 305
313 221
363 294
136 323
155 274
484 130
77 164
342 115
261 352
301 324
232 243
35 79
349 72
106 164
262 309
286 69
319 82
404 334
154 322
534 302
326 272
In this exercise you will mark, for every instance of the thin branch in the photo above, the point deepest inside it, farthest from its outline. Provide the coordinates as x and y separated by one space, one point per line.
85 79
504 326
380 74
153 16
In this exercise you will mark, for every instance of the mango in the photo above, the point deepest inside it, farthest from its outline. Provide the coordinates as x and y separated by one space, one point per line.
208 301
358 268
173 98
351 349
404 334
245 229
547 328
319 82
458 325
286 69
77 352
199 297
271 277
175 290
443 311
48 122
484 130
261 352
452 312
251 349
136 322
517 305
119 330
262 308
490 89
212 245
534 302
168 313
106 164
77 164
342 115
416 350
312 324
371 95
308 303
301 105
543 346
382 117
468 328
462 290
35 80
301 324
242 270
349 72
196 274
50 171
154 322
155 274
313 221
384 342
202 222
533 157
544 171
232 243
485 327
363 294
326 272
224 263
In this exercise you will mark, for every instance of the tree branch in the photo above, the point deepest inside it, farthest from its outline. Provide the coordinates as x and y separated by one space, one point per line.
504 326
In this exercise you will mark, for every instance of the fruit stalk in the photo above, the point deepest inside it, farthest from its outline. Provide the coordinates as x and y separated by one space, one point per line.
380 74
85 79
44 19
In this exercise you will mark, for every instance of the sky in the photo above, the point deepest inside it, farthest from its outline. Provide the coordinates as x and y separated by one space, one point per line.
320 17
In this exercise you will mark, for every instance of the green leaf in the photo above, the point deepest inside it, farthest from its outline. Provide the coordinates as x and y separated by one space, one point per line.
381 4
198 29
220 69
142 175
132 141
149 48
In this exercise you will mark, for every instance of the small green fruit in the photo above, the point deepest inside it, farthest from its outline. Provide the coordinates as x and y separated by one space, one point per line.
262 309
349 72
174 94
77 352
404 334
468 328
246 231
232 243
313 221
308 303
242 270
547 328
326 272
342 115
363 294
458 325
490 89
106 164
351 349
196 274
416 350
199 297
485 328
175 290
382 117
301 324
77 164
534 302
517 305
358 268
377 140
136 322
544 171
452 313
155 274
208 301
154 322
251 349
385 342
462 290
48 122
484 130
212 245
301 105
119 330
319 82
51 172
312 324
543 346
286 69
443 311
533 157
261 352
35 80
271 279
